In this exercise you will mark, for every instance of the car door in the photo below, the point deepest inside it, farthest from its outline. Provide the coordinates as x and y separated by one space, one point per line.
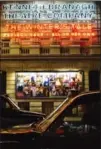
78 125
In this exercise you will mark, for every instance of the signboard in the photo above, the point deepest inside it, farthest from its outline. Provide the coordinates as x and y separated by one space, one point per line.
60 21
49 11
49 31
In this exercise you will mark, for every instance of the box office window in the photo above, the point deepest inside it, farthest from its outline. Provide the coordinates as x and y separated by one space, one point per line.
48 84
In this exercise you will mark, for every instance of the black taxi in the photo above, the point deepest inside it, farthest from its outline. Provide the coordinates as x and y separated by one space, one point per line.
74 124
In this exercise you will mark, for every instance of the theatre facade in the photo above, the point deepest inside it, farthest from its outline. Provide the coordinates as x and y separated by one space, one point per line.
49 50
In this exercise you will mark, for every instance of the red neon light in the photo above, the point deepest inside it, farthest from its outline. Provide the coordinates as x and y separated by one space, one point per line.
52 31
49 26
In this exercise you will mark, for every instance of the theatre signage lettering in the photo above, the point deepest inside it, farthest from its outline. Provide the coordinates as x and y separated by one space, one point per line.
48 33
48 11
49 30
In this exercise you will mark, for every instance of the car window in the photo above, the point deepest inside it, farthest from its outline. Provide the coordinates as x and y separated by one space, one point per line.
7 105
85 106
83 114
4 104
75 113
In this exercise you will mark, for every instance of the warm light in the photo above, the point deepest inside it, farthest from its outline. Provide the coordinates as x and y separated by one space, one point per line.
31 34
72 34
53 34
17 34
79 34
11 35
93 34
67 34
34 35
84 34
41 34
75 34
88 34
6 35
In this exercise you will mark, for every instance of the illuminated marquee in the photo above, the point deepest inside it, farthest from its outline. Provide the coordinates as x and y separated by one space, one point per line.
48 11
49 30
65 33
46 22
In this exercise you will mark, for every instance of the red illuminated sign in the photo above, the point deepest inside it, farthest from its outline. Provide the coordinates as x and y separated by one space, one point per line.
51 31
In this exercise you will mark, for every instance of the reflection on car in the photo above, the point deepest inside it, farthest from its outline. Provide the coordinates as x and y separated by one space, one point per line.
74 124
11 114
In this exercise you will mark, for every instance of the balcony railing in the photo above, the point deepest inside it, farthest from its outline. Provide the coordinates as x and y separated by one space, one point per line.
5 51
44 51
24 51
52 50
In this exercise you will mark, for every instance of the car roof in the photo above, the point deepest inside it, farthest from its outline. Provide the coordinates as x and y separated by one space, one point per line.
41 127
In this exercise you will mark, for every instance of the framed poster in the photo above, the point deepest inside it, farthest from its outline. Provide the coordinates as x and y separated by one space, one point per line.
48 84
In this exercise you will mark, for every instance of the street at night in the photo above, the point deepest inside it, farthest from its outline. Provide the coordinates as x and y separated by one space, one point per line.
50 74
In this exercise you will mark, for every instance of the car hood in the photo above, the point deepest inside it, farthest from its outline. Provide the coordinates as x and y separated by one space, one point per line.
18 129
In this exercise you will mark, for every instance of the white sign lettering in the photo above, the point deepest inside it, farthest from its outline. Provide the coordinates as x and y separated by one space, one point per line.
42 11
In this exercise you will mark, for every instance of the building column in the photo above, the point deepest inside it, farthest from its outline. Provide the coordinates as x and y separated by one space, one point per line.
86 80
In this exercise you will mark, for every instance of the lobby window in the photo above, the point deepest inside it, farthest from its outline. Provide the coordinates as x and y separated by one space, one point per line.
24 51
5 47
5 43
44 50
84 51
84 46
64 50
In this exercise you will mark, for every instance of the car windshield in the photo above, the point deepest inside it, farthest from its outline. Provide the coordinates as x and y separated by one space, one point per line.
42 126
52 116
